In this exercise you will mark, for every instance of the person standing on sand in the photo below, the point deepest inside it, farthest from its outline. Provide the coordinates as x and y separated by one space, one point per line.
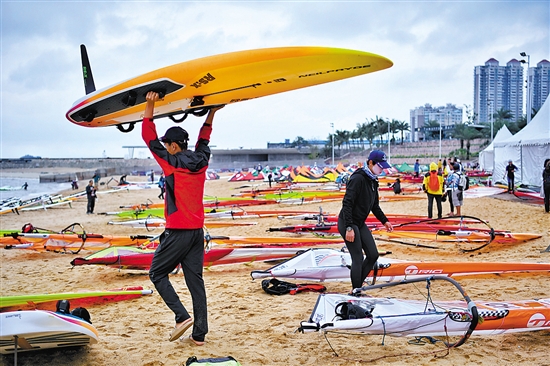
448 191
182 242
96 179
91 195
416 168
433 186
509 174
449 168
454 193
360 199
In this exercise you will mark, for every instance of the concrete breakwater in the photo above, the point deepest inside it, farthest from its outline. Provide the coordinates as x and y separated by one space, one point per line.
82 169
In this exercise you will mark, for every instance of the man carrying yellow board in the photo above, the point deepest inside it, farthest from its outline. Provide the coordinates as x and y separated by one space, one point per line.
182 242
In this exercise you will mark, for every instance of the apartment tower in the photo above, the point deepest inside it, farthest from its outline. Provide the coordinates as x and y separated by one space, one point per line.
498 87
540 83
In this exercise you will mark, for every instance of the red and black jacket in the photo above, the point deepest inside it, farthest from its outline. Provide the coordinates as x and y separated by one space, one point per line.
185 174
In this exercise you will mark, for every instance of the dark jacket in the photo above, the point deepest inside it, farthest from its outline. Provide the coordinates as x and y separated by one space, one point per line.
546 178
185 173
90 192
510 169
360 199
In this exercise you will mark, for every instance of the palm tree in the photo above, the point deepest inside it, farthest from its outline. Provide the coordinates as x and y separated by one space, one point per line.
466 133
354 136
503 115
370 133
362 133
394 127
402 126
299 142
347 137
381 127
460 128
470 133
342 136
338 141
460 133
430 129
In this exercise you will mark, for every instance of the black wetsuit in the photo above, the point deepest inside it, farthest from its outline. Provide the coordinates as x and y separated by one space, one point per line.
360 199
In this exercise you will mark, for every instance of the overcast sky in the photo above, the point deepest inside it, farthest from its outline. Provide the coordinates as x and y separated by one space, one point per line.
434 46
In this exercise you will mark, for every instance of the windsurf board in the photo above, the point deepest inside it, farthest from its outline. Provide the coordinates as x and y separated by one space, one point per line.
192 87
38 330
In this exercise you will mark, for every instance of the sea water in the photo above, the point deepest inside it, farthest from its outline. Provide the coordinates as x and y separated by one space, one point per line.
12 187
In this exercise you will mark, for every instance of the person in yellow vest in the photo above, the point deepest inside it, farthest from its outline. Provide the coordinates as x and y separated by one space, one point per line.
433 186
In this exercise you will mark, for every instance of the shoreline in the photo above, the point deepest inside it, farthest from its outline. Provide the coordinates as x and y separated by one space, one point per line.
29 173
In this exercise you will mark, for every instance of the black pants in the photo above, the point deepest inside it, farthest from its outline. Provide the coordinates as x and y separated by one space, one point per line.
91 205
437 198
364 242
546 199
185 247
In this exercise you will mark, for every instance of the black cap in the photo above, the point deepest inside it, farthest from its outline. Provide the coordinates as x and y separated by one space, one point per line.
175 134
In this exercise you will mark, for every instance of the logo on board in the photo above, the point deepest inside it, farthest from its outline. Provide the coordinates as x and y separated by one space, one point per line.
203 81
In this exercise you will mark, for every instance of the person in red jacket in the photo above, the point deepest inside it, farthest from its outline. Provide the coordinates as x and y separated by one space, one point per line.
182 242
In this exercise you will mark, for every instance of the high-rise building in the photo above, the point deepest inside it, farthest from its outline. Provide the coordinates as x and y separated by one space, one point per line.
498 87
447 117
540 83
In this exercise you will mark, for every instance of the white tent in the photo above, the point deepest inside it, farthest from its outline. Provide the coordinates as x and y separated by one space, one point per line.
527 149
487 156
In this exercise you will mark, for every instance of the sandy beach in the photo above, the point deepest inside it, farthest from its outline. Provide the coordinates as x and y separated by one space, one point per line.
257 328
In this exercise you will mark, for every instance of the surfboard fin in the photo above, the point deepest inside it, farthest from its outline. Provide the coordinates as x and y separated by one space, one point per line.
89 84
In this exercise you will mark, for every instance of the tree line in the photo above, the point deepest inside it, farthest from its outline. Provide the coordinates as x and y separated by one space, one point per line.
381 129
